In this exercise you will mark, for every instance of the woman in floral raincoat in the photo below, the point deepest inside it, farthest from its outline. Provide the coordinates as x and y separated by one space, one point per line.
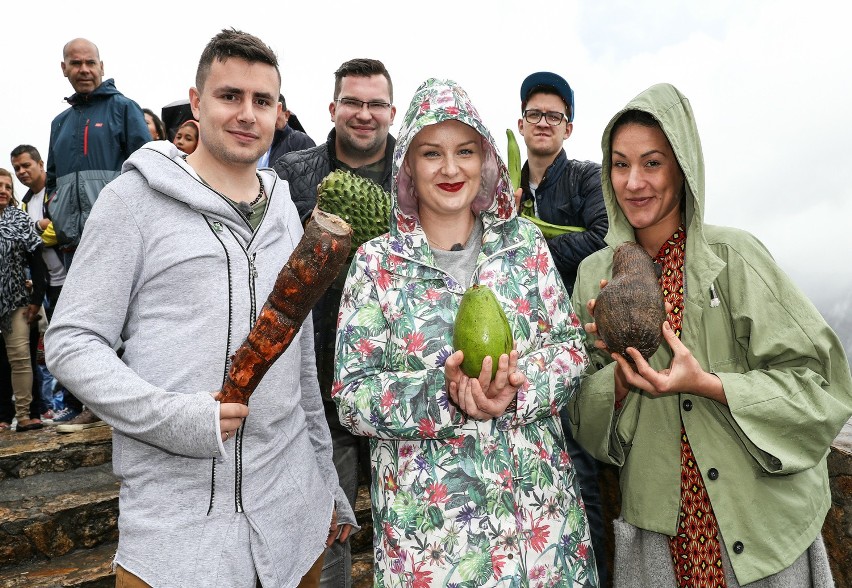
471 482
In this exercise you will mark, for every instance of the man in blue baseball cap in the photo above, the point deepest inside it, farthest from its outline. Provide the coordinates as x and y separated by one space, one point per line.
564 198
564 194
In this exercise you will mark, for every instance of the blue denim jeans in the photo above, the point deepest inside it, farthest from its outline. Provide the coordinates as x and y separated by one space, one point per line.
47 382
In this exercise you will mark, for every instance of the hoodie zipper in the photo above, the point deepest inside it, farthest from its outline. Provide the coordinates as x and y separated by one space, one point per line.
215 228
252 280
238 441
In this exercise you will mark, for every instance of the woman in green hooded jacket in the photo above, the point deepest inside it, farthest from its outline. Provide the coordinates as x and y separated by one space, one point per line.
722 435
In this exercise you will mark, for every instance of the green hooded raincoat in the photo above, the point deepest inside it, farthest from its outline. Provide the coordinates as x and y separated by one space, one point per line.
785 375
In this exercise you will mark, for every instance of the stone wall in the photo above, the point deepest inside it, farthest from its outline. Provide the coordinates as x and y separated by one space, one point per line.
837 530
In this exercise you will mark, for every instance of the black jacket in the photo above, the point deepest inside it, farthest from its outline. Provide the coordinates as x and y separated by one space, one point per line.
570 195
286 140
305 169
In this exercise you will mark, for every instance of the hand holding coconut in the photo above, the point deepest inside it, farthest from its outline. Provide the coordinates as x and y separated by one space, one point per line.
684 374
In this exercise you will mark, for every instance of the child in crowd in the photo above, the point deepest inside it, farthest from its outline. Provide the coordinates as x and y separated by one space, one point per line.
186 138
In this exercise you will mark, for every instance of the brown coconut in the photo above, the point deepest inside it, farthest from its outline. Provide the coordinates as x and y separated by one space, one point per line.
630 309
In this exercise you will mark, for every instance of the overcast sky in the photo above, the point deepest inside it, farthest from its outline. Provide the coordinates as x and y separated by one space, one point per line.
770 83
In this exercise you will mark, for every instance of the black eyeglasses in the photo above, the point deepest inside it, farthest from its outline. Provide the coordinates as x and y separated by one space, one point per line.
354 104
552 118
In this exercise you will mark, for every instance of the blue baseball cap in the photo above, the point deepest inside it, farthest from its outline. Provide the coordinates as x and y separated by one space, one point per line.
546 79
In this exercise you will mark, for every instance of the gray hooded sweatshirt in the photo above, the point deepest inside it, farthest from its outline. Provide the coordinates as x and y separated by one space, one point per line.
172 269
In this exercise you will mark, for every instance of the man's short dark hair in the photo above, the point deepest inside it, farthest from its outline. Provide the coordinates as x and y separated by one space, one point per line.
361 67
234 43
21 149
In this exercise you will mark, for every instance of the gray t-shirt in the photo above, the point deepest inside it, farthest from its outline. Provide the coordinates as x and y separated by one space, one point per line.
461 263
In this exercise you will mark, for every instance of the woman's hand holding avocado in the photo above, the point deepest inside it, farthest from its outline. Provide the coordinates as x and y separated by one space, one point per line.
483 398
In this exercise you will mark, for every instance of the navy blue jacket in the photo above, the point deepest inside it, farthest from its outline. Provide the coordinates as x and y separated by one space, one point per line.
89 142
286 140
570 195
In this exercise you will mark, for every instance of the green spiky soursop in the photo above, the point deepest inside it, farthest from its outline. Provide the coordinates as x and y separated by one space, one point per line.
360 202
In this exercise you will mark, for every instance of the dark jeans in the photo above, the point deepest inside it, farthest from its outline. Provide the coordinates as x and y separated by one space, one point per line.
38 406
52 297
337 566
586 468
66 257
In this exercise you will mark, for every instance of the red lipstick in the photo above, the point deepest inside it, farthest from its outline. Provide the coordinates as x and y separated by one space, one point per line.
451 187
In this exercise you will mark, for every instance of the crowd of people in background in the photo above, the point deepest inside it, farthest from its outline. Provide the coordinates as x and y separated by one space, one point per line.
146 243
83 156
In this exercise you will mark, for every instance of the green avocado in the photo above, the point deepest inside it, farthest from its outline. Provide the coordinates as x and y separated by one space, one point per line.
481 329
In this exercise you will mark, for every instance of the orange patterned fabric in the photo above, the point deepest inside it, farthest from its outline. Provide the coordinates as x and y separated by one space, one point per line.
670 259
696 552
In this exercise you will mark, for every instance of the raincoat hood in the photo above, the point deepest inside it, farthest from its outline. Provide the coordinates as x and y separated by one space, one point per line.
436 101
672 110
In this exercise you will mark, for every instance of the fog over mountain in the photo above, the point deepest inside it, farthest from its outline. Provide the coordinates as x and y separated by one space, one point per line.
836 307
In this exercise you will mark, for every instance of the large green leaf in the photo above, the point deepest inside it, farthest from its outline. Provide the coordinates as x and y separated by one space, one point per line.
435 517
405 506
370 317
475 566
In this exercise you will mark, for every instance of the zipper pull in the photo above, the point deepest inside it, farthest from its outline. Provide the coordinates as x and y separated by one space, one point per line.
253 266
714 298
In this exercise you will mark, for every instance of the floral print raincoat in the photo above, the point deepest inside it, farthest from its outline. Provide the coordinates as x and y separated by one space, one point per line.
456 501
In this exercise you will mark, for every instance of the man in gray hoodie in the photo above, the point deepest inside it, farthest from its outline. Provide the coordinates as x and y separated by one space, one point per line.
180 254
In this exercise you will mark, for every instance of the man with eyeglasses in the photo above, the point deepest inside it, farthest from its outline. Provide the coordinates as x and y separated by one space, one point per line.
362 112
563 196
565 193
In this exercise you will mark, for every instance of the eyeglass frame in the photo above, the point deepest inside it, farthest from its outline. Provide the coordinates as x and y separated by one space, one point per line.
350 103
545 115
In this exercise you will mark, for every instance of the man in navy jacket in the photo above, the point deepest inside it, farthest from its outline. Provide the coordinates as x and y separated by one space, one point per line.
89 142
564 193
